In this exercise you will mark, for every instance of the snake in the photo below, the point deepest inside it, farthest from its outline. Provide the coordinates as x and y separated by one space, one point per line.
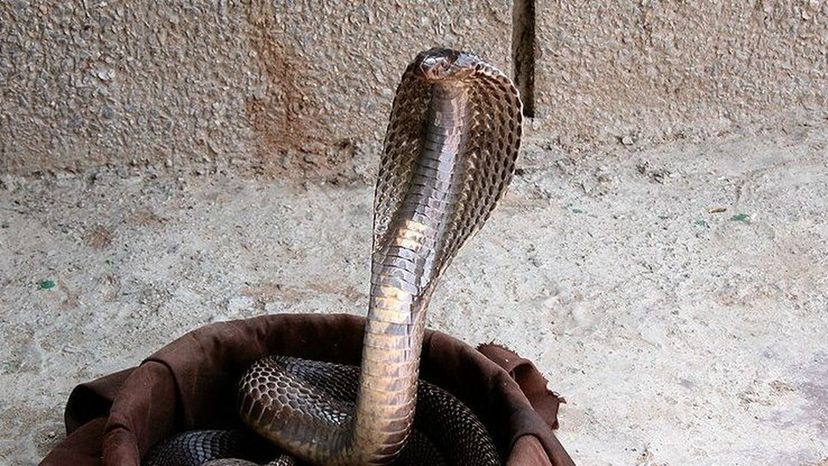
449 154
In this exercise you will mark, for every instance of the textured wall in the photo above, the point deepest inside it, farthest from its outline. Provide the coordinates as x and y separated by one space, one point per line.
273 84
305 85
661 69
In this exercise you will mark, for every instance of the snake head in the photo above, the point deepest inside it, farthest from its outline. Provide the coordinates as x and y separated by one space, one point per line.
439 64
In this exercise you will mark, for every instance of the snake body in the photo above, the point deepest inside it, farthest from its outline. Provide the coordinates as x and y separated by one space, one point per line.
449 153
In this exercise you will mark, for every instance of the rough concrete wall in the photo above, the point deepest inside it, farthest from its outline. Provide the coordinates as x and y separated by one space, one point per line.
274 85
662 70
305 86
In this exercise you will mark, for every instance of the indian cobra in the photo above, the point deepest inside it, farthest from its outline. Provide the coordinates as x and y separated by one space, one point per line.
449 153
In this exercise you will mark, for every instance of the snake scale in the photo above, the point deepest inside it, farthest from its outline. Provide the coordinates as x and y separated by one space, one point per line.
449 153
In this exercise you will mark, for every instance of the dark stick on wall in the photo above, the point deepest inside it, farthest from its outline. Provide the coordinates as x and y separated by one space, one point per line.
523 52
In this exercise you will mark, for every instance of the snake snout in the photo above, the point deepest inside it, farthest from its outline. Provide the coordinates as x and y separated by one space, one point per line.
445 65
435 67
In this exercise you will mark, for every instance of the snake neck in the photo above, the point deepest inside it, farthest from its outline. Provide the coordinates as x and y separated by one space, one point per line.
405 269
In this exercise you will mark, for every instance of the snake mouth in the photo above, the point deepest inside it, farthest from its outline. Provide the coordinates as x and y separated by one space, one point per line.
441 64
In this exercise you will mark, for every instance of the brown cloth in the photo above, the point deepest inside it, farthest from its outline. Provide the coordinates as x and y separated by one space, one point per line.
191 384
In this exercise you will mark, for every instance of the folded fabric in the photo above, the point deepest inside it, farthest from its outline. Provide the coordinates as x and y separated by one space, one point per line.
191 384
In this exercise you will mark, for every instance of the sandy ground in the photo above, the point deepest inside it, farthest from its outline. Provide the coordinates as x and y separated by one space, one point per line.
675 294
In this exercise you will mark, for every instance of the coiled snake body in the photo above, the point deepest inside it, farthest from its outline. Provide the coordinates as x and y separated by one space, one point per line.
449 153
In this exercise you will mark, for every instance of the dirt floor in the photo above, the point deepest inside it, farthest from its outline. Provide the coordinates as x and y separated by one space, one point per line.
675 295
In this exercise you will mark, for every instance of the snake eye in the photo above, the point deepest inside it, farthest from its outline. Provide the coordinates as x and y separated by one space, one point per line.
442 66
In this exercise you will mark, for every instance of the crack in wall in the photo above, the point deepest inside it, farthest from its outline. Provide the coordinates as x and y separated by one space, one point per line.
523 53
